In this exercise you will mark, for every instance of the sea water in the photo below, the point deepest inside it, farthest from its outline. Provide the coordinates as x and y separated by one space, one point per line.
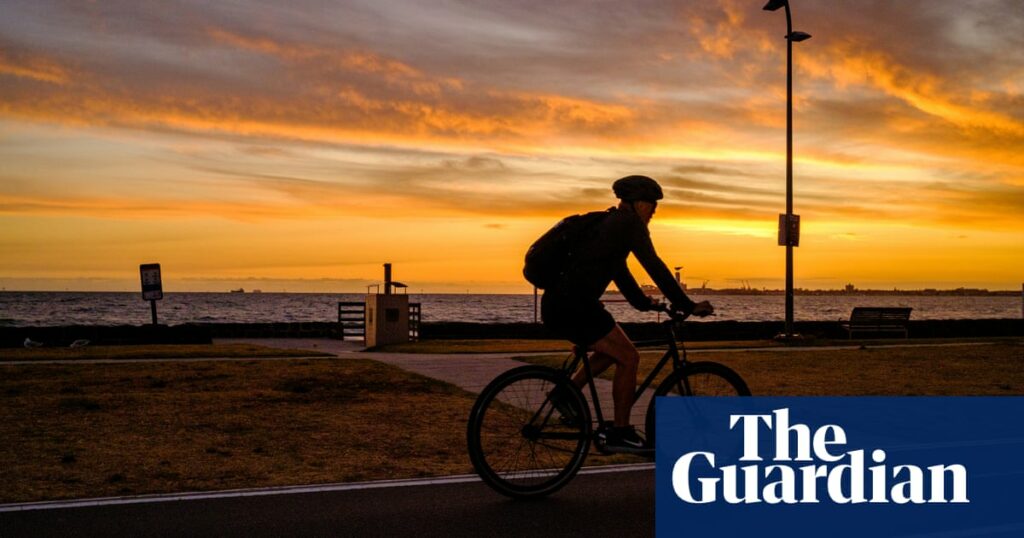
116 308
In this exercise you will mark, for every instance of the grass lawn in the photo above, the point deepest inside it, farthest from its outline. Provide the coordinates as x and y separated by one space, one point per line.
510 345
994 369
89 430
151 352
532 346
477 346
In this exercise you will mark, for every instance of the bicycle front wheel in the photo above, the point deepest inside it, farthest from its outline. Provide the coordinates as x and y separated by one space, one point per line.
519 443
696 379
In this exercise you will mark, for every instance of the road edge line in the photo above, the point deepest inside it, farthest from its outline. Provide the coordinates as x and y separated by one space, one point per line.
282 490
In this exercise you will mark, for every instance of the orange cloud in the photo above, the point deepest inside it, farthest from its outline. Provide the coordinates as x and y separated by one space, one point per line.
301 203
348 114
723 38
342 95
33 67
847 63
391 70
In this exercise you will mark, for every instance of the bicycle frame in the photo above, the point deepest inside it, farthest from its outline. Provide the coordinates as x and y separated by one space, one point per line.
671 354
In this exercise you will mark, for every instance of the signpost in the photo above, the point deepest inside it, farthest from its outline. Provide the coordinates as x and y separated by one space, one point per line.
152 287
791 239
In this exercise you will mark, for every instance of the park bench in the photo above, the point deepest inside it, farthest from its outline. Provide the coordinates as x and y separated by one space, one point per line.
866 319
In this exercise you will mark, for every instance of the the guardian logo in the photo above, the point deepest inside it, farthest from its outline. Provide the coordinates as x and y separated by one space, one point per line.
815 470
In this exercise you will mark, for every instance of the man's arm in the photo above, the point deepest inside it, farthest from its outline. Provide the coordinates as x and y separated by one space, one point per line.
643 249
630 289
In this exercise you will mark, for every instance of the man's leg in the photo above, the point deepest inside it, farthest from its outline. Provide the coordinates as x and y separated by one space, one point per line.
599 362
616 346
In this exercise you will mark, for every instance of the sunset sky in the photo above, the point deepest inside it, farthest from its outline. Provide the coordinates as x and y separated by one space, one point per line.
300 145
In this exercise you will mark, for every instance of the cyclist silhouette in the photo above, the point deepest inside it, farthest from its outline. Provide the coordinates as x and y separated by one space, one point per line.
572 308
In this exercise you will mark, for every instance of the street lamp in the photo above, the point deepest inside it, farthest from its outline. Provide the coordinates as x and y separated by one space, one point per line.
789 226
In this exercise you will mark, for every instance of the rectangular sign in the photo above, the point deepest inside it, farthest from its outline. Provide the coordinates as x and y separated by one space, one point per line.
840 467
152 287
789 234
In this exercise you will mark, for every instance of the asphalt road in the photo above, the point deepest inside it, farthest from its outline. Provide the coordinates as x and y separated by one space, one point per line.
610 504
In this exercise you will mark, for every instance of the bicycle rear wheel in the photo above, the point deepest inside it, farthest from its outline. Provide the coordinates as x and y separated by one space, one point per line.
518 442
696 379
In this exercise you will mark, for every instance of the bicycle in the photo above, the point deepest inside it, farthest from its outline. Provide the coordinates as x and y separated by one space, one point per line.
522 445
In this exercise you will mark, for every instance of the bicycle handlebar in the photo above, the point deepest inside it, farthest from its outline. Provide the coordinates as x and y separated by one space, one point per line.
674 314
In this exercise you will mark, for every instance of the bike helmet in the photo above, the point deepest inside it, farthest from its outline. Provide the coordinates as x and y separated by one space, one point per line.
637 188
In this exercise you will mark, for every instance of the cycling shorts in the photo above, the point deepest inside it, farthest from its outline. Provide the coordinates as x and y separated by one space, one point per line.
581 321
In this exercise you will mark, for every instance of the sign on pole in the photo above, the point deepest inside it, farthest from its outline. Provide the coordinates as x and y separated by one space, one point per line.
152 287
789 230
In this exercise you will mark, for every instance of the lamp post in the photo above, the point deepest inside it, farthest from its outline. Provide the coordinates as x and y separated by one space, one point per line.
789 227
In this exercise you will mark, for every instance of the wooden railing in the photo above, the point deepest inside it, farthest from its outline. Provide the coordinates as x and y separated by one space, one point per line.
352 318
415 316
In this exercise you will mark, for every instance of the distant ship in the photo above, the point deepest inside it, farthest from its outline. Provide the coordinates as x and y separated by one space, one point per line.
239 290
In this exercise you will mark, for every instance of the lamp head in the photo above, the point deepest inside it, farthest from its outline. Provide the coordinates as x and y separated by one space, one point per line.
797 36
773 5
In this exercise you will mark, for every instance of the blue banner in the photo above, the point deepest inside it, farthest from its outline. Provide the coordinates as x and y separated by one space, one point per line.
837 467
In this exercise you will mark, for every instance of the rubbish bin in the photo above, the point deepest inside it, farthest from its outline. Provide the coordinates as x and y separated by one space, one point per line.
387 314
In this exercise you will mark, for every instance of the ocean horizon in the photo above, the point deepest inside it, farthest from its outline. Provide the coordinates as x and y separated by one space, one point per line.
53 308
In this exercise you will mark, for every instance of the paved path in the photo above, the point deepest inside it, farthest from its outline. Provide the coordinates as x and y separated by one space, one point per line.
471 372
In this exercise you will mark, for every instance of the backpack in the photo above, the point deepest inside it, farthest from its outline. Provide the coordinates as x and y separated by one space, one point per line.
552 254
